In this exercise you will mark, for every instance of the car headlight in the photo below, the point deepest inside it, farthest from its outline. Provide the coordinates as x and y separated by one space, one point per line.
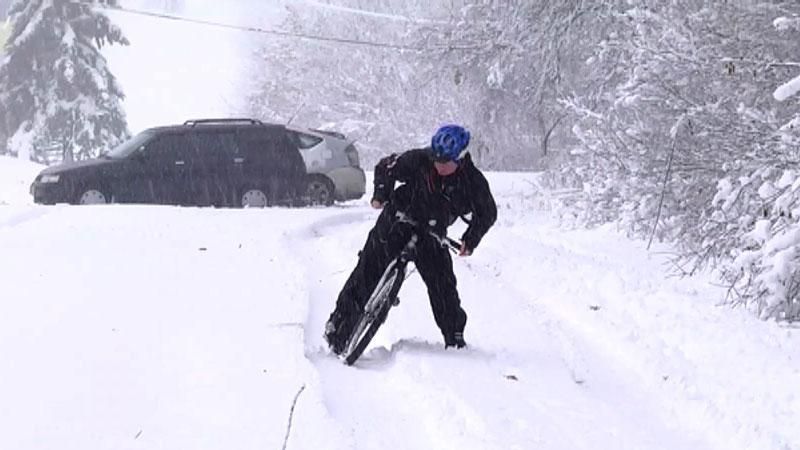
49 179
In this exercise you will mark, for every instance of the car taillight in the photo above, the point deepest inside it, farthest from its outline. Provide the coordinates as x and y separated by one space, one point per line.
352 155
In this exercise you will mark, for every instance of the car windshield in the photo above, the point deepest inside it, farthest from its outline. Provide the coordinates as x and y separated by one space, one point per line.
128 147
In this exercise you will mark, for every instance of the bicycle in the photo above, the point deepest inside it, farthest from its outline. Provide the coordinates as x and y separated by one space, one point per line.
384 296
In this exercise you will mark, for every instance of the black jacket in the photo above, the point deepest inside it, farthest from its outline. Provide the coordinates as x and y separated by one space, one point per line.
436 200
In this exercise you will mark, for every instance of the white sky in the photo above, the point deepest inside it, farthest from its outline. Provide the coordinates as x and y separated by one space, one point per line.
174 71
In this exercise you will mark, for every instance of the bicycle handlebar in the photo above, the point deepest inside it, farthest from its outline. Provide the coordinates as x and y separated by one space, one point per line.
445 241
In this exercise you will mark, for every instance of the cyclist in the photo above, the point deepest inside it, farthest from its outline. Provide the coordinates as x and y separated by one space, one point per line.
440 184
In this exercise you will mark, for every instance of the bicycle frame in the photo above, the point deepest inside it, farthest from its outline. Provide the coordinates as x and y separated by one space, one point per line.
399 264
384 296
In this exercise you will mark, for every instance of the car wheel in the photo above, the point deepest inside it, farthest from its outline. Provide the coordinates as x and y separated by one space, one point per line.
320 191
92 196
253 198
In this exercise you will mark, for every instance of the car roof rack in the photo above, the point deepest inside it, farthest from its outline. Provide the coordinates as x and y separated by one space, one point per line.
192 123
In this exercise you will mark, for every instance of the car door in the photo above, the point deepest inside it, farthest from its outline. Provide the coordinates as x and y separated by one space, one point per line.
129 183
217 157
272 162
168 170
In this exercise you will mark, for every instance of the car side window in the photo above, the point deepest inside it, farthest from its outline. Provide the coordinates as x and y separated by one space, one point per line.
168 149
257 146
272 148
217 145
303 141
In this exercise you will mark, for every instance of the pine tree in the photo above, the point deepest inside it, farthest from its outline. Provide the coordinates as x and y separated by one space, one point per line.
55 86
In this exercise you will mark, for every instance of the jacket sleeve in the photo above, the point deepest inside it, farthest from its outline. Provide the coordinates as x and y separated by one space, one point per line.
394 168
484 211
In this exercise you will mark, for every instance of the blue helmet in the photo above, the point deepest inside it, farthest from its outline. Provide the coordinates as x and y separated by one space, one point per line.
449 142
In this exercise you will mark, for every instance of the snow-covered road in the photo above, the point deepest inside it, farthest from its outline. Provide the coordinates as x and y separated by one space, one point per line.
528 380
161 327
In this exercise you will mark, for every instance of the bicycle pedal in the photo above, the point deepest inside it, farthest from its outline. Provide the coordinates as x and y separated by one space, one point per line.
396 301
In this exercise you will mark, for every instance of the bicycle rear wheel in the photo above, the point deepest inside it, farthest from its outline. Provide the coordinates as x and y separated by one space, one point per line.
374 315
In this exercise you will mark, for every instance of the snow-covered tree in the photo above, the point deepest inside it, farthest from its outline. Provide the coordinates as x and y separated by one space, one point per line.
399 96
497 67
684 99
680 133
758 207
517 58
55 86
372 93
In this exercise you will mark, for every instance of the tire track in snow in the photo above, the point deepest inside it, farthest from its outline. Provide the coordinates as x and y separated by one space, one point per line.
308 243
570 351
384 401
26 215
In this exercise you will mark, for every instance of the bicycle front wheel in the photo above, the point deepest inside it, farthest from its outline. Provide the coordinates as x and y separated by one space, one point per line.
375 314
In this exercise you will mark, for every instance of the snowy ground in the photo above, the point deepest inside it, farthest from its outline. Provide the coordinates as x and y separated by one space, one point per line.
16 176
187 328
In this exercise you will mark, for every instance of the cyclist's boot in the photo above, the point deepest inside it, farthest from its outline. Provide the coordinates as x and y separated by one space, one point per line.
455 339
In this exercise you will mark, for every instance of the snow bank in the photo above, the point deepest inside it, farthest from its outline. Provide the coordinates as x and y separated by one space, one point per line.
130 327
16 176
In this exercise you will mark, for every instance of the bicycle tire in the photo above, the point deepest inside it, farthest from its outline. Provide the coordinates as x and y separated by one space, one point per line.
368 324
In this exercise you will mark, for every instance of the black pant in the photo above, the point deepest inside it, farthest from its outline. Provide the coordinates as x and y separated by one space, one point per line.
384 243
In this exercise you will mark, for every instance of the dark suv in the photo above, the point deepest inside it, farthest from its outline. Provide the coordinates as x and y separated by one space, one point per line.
219 162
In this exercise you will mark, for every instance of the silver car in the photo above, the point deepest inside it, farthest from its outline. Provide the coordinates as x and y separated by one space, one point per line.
332 164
